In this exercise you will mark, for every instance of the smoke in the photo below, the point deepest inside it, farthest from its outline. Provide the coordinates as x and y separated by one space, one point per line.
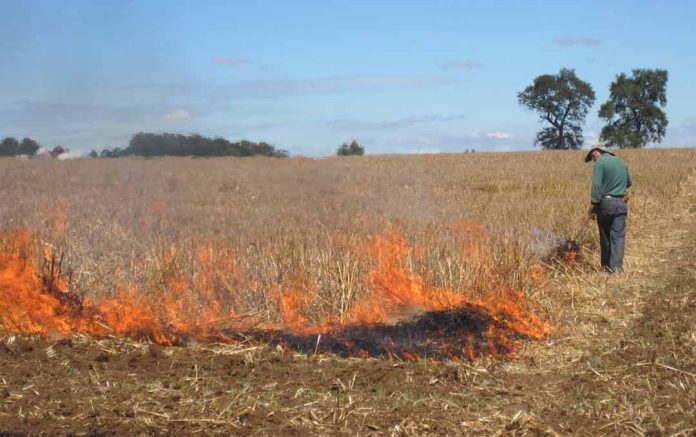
545 244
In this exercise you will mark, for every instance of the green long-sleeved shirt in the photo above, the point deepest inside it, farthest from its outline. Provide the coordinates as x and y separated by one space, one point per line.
610 177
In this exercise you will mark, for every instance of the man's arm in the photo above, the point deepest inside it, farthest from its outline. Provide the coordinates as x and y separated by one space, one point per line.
629 181
597 173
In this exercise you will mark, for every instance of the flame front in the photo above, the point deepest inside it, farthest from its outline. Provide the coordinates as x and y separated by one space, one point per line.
398 314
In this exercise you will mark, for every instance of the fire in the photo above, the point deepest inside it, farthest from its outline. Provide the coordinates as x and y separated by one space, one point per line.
399 313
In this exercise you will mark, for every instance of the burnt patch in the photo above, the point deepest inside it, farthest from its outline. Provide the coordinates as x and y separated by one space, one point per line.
462 333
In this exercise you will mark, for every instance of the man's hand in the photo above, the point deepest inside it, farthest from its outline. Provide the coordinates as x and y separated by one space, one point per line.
592 212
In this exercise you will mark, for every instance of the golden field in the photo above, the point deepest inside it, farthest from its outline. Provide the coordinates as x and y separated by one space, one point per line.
619 358
112 212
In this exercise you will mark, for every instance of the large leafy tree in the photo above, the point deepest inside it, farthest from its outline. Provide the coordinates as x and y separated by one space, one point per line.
562 100
633 113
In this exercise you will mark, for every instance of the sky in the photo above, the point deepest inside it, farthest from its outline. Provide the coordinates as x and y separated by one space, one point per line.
307 76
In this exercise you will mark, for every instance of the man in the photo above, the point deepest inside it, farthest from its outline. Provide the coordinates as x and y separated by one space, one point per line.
610 182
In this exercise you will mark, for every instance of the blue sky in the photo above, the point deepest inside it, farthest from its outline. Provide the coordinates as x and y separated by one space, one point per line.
398 76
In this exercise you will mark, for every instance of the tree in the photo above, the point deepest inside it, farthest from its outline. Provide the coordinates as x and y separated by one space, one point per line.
28 147
563 101
57 151
115 152
12 147
9 147
632 113
151 144
350 149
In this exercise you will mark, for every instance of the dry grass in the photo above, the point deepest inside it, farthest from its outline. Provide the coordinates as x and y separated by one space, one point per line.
124 218
621 361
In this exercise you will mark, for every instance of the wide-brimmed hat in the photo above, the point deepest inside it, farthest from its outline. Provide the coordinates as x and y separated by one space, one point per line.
602 149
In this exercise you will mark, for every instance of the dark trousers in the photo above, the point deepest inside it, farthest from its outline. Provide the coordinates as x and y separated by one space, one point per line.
611 218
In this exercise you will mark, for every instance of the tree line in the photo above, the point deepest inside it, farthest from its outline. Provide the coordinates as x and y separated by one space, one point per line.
11 146
165 144
152 144
632 113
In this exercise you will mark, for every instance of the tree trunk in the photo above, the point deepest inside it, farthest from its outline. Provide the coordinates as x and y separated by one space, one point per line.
561 139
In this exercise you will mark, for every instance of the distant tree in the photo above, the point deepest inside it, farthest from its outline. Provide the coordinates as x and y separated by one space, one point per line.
93 154
562 100
28 147
350 149
281 153
111 153
9 147
12 147
633 116
57 151
149 144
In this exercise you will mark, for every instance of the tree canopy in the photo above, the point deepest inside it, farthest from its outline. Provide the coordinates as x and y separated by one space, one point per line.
633 116
12 147
151 144
353 148
563 101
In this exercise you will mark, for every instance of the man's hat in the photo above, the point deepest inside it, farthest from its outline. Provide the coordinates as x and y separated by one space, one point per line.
602 149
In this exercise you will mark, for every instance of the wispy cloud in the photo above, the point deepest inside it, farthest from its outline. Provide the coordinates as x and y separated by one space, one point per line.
205 93
448 143
468 64
76 126
393 124
177 116
228 60
573 41
321 85
424 151
54 114
86 126
497 134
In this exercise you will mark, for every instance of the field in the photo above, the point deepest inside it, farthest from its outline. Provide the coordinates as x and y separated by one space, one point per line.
385 295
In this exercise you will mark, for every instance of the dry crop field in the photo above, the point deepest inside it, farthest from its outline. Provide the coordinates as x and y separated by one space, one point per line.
384 295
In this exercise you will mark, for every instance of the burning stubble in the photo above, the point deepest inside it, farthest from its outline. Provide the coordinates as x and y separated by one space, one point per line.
399 314
296 250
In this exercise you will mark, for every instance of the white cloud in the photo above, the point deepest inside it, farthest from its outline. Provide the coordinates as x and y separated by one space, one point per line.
228 60
424 151
177 116
447 143
498 134
468 64
572 41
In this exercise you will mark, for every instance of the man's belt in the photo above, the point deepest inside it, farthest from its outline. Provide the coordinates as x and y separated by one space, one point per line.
612 197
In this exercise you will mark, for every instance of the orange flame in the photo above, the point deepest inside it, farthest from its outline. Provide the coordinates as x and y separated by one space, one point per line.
183 304
392 285
36 302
